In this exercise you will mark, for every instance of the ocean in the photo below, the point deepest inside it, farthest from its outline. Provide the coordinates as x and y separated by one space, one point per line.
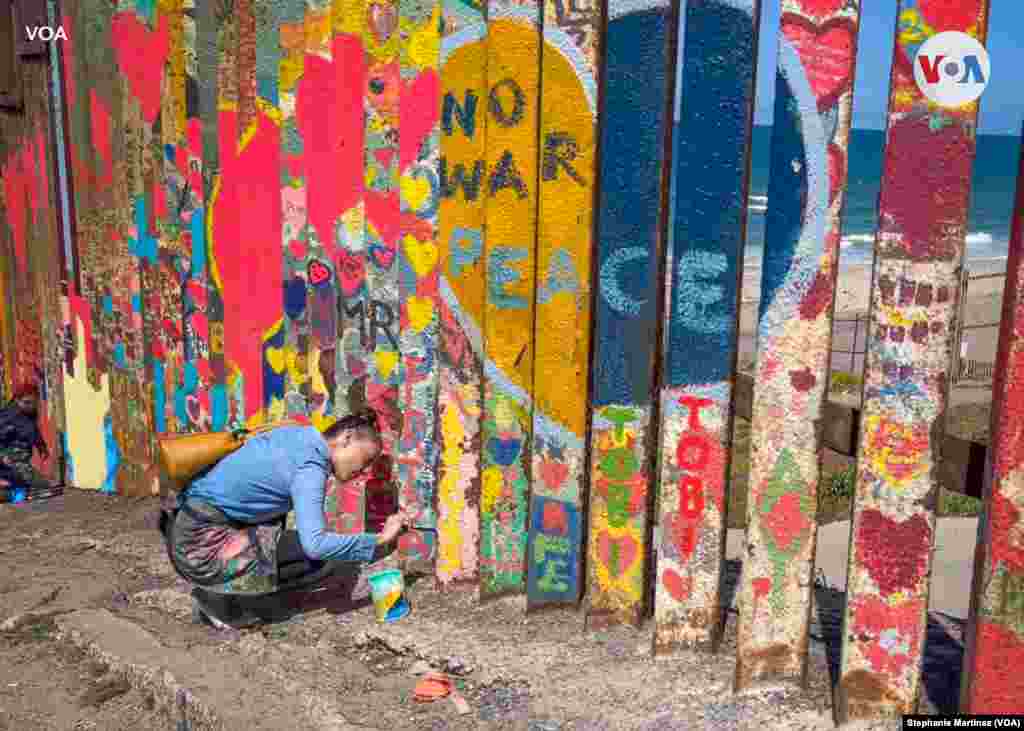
992 196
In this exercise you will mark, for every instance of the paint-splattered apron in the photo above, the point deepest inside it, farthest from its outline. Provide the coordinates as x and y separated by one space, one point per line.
224 556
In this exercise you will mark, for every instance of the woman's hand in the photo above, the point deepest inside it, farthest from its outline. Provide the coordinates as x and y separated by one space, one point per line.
394 526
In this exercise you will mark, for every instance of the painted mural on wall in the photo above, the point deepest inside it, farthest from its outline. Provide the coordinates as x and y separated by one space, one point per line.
810 136
632 169
704 276
459 347
510 220
300 208
29 277
919 253
568 172
995 636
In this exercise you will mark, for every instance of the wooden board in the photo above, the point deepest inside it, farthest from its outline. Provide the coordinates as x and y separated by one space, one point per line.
419 268
637 92
464 120
919 255
994 639
565 240
813 113
513 79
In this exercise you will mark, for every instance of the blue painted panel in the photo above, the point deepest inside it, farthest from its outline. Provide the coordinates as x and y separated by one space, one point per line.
787 191
552 574
636 92
710 179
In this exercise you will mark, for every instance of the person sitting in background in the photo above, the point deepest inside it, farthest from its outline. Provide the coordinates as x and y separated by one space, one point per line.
19 436
227 534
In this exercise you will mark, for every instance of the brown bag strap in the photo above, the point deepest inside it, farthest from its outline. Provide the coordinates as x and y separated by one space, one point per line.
245 433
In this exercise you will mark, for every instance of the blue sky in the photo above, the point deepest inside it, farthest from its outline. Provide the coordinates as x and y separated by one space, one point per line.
1002 105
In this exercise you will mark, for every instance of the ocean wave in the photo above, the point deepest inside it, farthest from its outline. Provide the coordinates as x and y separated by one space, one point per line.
974 238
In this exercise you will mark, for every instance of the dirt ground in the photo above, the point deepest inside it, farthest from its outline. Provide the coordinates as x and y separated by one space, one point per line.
324 659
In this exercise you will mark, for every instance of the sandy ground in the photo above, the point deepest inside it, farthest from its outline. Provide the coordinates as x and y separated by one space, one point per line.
853 290
952 562
93 567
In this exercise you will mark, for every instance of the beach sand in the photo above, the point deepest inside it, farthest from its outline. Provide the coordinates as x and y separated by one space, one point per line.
983 304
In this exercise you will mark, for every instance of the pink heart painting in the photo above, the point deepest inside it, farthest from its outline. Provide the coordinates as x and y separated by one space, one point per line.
618 554
826 54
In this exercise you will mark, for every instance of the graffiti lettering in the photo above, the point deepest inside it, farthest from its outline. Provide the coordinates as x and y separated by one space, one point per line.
693 453
691 497
552 581
500 275
559 150
506 175
356 310
561 277
694 405
613 294
696 295
544 545
465 112
381 317
466 245
497 109
470 186
618 504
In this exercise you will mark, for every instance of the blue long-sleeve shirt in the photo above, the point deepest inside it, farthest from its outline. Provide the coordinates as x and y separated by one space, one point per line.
270 474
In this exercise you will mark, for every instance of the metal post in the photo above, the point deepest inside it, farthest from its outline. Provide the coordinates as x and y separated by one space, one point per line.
853 348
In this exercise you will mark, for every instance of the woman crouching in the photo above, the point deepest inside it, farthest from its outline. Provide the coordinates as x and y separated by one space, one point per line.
227 534
19 437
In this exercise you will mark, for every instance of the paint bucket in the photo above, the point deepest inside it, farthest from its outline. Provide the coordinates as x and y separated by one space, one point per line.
388 591
16 494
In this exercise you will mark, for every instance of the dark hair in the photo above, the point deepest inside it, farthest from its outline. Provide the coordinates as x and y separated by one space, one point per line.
362 423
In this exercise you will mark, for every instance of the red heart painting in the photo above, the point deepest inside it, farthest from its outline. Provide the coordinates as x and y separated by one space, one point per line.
894 553
554 519
684 532
553 473
351 272
318 273
944 15
624 550
678 587
384 156
826 54
419 113
383 256
821 9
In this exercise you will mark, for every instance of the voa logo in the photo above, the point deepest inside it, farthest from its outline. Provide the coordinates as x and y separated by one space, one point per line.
45 33
952 69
